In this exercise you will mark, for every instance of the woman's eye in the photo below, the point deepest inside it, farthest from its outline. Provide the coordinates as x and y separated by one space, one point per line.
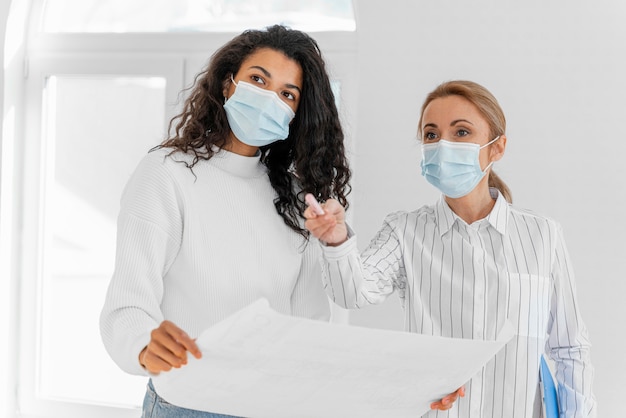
289 95
430 136
462 132
257 79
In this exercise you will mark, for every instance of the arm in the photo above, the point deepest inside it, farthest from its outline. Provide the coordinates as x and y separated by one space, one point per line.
148 239
352 280
308 299
568 342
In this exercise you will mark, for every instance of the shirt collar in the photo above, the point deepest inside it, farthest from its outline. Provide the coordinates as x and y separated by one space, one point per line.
498 218
499 215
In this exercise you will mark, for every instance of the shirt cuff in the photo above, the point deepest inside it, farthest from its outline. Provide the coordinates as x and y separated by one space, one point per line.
342 250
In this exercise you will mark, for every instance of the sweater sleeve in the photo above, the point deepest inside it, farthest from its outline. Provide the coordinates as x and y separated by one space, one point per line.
308 299
352 280
148 238
568 342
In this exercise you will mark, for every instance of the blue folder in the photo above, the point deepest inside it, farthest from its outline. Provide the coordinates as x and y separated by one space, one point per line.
549 390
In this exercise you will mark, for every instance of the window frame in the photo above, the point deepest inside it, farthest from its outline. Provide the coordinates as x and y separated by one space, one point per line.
32 286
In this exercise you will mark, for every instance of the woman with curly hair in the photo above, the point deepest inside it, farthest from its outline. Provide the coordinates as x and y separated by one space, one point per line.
211 220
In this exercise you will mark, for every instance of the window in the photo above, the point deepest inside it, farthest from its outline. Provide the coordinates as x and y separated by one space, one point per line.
96 129
92 121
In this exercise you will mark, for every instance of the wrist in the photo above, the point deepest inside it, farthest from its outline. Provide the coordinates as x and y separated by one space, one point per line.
142 357
336 244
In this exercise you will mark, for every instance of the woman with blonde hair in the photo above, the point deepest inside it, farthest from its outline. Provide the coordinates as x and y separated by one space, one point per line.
469 263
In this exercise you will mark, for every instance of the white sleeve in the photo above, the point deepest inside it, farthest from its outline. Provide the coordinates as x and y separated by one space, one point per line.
308 299
352 280
568 342
148 239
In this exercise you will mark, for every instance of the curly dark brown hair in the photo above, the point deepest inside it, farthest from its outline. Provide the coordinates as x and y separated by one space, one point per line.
311 159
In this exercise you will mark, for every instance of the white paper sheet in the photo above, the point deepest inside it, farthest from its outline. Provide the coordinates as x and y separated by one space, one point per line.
262 364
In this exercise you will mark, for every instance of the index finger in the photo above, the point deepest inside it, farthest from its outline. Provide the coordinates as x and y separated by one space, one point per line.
182 338
313 204
309 213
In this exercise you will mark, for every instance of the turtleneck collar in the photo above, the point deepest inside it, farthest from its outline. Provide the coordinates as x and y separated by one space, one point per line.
238 165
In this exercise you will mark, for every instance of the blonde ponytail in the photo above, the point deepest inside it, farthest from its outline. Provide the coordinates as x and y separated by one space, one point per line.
496 181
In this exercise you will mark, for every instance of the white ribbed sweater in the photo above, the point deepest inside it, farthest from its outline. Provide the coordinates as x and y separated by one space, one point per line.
195 249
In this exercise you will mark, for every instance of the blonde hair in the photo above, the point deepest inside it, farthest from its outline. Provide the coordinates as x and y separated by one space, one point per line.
488 107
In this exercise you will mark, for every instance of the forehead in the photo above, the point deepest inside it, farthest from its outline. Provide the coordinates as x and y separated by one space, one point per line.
450 108
280 67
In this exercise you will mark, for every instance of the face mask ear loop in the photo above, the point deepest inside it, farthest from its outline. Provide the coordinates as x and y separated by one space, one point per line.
490 142
487 144
233 80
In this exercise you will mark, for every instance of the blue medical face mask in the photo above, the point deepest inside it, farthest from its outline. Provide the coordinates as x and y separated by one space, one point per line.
256 116
453 167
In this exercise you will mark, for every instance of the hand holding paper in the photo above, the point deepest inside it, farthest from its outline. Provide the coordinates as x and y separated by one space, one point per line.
259 363
167 348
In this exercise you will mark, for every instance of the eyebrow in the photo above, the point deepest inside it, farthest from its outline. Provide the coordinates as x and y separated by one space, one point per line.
268 75
454 122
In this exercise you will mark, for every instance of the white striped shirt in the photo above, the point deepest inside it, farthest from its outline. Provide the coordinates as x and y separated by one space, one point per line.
465 281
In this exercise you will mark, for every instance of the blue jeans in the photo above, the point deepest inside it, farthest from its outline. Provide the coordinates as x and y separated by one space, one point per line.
156 407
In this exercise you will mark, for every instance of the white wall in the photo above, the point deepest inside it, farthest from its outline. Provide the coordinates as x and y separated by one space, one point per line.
557 68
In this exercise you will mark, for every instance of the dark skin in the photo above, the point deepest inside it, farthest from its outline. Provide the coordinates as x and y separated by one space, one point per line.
167 349
268 69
